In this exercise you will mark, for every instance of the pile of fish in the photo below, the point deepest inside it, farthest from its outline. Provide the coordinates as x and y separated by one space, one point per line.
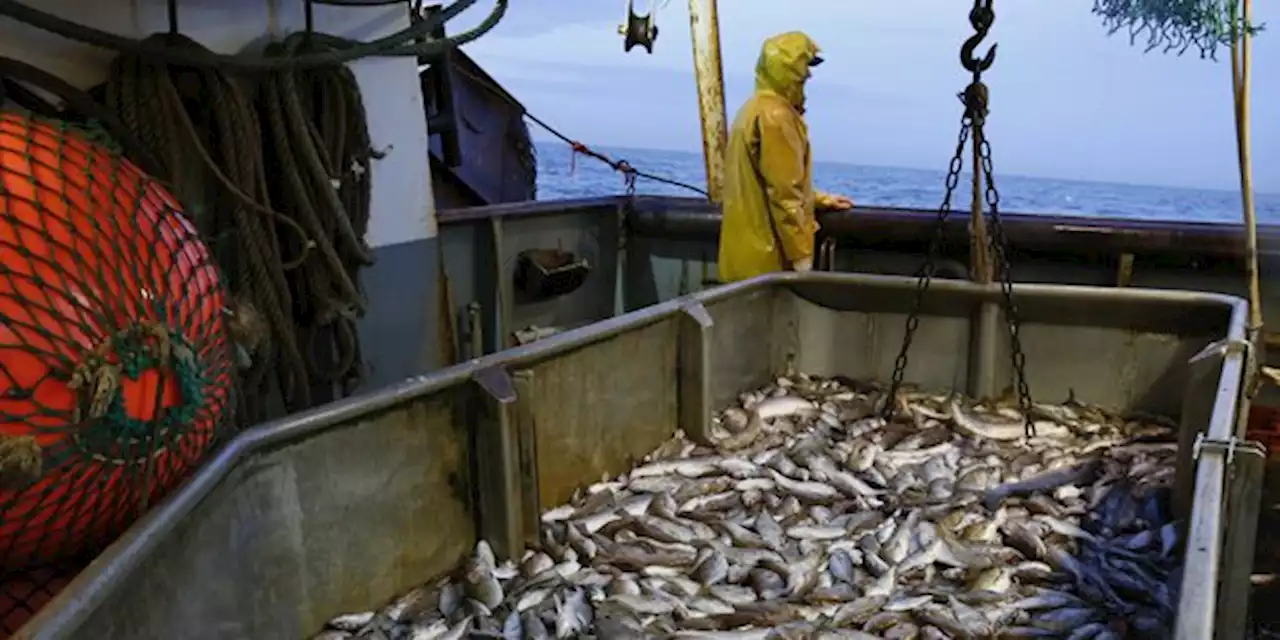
813 517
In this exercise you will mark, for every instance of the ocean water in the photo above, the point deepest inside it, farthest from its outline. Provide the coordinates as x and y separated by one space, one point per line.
560 176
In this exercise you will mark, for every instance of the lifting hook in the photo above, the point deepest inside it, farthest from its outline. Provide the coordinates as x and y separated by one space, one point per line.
982 16
638 29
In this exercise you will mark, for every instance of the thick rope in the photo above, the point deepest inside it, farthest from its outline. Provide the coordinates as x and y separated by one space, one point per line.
186 114
396 44
319 143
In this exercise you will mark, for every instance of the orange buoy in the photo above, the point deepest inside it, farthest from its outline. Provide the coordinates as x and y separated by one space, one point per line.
115 371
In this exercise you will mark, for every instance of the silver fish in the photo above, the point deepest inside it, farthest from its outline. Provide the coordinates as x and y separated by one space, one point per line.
813 517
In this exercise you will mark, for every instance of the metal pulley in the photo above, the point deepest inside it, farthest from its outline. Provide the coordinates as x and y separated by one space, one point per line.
638 29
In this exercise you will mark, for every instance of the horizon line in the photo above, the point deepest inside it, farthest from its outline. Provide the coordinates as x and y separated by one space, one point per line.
1257 192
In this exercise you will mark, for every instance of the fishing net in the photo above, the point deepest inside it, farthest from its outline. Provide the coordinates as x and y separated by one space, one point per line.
24 593
115 373
1175 25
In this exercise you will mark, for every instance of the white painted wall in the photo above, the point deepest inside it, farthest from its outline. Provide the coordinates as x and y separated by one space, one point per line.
402 203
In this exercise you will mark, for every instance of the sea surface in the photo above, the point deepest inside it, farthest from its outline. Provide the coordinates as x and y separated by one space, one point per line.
560 176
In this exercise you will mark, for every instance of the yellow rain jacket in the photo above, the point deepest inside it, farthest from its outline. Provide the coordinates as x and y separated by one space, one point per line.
768 211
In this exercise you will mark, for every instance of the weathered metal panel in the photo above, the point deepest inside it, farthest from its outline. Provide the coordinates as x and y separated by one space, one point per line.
859 334
589 235
301 523
741 336
341 508
599 409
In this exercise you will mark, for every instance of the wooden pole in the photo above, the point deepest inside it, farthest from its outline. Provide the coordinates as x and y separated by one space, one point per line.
986 323
979 260
1240 82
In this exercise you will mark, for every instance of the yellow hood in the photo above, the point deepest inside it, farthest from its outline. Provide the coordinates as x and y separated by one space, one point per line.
783 66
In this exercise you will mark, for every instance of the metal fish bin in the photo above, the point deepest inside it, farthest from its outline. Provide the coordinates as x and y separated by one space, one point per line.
346 506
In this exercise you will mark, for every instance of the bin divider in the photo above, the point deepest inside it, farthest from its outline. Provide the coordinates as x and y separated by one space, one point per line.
496 464
984 345
694 366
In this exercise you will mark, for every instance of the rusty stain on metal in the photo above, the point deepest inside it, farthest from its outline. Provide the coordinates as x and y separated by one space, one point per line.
1124 273
595 417
1071 228
704 26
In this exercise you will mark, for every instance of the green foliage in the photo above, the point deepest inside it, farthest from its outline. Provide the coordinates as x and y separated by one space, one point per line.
1175 25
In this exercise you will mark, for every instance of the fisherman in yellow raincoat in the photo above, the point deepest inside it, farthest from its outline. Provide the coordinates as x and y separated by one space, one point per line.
768 219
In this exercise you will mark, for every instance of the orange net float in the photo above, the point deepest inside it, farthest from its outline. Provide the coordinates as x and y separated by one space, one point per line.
115 367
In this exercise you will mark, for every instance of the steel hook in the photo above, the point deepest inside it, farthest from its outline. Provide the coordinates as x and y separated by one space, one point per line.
981 17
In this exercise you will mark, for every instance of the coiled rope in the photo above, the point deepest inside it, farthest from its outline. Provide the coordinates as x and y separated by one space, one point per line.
292 244
321 147
400 43
226 193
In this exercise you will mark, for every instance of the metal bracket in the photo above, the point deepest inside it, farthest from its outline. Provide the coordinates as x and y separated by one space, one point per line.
695 366
1226 347
1230 446
826 255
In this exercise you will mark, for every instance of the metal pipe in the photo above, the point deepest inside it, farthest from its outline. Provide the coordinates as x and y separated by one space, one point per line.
704 27
1203 244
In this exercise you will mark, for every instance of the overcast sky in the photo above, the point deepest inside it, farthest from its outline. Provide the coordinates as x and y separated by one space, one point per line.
1067 100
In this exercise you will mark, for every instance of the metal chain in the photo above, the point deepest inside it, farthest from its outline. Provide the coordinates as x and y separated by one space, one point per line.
1000 249
925 275
974 97
629 177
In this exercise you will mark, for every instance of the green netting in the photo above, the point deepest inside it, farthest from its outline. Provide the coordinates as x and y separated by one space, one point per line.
115 370
1176 26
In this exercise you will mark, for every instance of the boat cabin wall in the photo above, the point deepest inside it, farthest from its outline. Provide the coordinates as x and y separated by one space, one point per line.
402 228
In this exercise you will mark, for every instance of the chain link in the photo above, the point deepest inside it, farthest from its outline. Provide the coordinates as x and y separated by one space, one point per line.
925 276
1000 249
972 124
629 176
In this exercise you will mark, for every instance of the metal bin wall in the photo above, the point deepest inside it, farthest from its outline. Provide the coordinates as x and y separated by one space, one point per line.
341 508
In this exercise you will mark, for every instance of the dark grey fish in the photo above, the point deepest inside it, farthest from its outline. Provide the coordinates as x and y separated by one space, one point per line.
1156 508
1148 625
1079 474
1066 618
841 566
1088 631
